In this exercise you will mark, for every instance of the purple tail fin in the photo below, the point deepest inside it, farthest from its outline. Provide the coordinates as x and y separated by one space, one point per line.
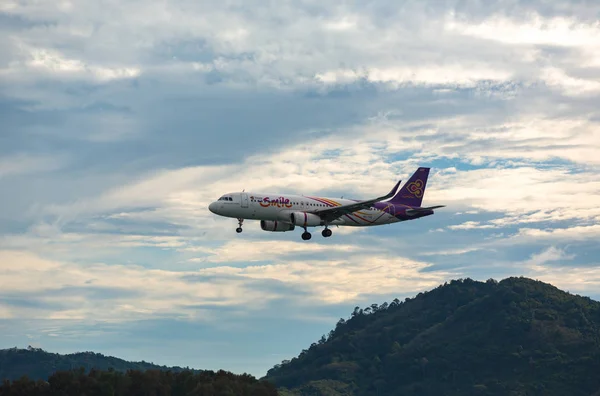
413 191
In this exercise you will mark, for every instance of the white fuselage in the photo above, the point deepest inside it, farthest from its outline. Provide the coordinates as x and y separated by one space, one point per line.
285 212
278 207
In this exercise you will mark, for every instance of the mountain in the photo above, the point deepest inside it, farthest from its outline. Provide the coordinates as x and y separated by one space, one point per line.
39 364
514 337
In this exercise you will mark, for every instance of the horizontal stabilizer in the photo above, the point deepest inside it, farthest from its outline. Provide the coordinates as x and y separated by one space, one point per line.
419 210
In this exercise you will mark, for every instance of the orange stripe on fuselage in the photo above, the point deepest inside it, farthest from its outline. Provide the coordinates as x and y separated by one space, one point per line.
326 201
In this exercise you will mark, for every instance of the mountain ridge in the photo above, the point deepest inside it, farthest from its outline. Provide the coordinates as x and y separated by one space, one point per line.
462 337
39 364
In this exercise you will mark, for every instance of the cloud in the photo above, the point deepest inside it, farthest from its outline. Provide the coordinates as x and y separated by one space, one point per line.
574 233
575 279
117 293
123 121
469 225
361 37
518 192
252 251
552 254
550 266
549 263
533 30
49 62
25 163
451 75
159 291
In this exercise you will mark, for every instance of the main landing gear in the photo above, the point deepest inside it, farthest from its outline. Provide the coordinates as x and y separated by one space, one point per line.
239 229
326 234
306 235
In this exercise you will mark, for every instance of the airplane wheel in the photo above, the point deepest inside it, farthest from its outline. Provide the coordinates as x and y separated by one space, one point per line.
238 230
306 236
326 233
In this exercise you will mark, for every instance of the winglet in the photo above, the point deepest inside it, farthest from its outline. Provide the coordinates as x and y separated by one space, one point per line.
393 192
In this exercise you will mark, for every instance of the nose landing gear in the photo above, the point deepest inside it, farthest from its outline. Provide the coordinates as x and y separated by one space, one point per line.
239 229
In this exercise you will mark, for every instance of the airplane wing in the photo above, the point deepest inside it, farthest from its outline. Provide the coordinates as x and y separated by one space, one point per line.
329 214
417 210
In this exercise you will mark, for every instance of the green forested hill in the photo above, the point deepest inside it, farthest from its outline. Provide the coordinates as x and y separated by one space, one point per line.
515 337
39 364
38 373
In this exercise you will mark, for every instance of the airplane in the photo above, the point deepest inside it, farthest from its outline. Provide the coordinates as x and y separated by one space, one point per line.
281 213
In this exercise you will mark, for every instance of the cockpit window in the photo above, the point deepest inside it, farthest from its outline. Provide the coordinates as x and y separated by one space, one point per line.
225 199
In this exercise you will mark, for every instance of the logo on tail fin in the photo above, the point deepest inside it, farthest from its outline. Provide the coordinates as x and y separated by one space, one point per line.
415 189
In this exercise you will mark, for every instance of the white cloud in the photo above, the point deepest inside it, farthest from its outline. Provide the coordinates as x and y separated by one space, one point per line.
341 280
157 292
314 43
5 312
570 85
551 265
562 31
454 75
554 193
54 62
469 225
249 251
452 252
27 163
552 254
48 63
531 34
568 233
574 278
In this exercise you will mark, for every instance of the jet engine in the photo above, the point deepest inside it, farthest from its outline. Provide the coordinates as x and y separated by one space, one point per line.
276 226
303 219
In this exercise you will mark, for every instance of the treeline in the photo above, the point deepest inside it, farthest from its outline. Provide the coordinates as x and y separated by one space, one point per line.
139 383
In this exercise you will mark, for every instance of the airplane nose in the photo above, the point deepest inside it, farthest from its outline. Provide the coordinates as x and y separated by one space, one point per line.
213 207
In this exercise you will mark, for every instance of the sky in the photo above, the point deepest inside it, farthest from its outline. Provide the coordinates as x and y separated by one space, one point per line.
122 120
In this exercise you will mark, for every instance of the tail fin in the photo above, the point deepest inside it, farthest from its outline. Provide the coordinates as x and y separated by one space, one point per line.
413 191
